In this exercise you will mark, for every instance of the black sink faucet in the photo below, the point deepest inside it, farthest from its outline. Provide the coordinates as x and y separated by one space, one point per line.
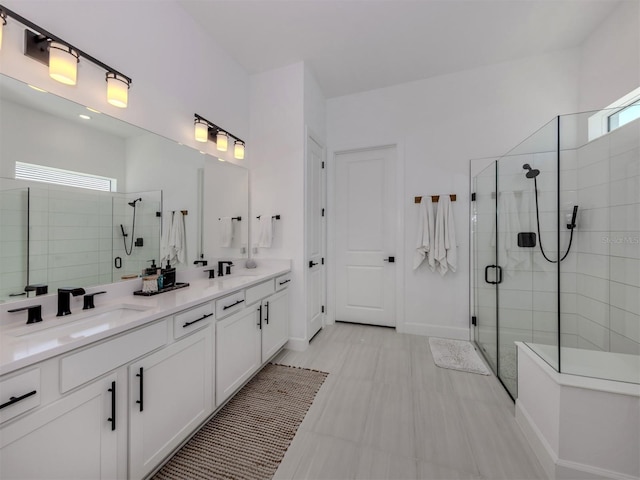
221 265
64 295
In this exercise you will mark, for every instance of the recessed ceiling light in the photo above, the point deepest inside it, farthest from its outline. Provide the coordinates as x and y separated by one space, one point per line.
37 89
93 110
84 117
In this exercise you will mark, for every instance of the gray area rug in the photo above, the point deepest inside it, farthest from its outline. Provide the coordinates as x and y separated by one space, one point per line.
457 355
248 438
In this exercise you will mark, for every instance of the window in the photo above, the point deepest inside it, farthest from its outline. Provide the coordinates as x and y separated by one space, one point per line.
40 173
624 116
619 113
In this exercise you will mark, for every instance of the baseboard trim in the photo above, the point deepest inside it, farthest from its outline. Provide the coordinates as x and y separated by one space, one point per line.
297 344
427 330
538 443
557 468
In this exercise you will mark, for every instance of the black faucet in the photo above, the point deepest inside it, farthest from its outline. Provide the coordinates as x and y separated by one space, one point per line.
88 300
34 313
204 263
64 295
221 265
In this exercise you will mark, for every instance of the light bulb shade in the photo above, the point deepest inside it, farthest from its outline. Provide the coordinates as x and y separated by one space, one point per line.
222 141
238 150
117 90
201 130
63 63
3 22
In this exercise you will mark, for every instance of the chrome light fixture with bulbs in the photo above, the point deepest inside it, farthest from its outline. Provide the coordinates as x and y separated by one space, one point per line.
62 58
3 22
205 130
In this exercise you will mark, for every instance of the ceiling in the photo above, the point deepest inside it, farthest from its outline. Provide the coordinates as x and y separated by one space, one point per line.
358 45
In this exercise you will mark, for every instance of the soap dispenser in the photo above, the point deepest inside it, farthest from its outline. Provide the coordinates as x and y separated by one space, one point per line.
169 275
153 269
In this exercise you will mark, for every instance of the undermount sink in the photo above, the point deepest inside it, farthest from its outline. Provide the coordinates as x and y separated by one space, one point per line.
81 324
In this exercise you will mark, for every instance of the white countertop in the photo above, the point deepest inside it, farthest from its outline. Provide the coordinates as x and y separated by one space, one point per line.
22 345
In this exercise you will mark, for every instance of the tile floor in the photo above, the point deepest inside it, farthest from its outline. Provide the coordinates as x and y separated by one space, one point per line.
387 412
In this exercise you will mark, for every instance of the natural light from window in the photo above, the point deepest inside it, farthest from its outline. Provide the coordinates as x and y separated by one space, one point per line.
57 176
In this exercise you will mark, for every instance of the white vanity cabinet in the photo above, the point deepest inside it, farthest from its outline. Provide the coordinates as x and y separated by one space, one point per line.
275 323
80 435
247 339
170 394
237 351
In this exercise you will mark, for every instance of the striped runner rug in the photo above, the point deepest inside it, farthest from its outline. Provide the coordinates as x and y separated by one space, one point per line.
249 436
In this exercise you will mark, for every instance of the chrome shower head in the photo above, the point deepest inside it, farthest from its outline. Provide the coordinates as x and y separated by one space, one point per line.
532 173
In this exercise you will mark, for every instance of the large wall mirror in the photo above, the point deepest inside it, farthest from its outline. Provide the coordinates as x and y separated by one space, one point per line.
61 235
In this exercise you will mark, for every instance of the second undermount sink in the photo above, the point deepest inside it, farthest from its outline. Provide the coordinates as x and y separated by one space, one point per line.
82 324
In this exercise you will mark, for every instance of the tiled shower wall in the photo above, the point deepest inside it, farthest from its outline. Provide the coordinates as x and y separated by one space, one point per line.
608 241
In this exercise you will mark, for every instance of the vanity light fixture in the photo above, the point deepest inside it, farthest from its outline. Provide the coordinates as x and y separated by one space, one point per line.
238 150
3 22
63 63
201 130
205 130
222 141
62 58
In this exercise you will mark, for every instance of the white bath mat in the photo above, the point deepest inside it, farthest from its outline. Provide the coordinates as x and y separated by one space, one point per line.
457 355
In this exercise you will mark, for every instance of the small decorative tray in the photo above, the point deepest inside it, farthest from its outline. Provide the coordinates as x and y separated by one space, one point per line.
162 290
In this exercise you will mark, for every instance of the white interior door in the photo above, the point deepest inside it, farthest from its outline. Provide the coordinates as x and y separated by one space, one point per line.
315 237
365 204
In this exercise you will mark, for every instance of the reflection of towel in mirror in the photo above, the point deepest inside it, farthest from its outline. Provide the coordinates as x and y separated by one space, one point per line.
173 244
426 225
266 232
178 239
166 252
226 231
445 237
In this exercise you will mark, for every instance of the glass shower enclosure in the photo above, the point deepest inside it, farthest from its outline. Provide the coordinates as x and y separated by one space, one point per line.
556 250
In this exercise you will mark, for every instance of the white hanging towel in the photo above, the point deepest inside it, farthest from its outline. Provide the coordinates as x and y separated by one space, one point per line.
426 232
445 237
226 231
166 250
266 231
510 257
178 238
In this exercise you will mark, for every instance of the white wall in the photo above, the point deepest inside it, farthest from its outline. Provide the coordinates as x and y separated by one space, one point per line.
440 124
177 69
277 173
610 58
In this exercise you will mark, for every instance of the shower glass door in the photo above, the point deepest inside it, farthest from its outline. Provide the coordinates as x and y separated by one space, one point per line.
484 265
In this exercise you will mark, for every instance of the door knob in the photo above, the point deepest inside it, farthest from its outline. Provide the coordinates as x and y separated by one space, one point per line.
390 260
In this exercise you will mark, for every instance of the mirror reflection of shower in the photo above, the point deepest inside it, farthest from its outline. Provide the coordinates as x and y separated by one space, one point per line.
133 228
533 173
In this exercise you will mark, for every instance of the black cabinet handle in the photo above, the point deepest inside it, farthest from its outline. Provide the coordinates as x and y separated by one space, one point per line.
141 401
286 281
232 305
266 318
13 400
112 419
196 321
260 317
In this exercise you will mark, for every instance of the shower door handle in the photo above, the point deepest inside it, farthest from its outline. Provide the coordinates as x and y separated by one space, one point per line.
486 274
498 274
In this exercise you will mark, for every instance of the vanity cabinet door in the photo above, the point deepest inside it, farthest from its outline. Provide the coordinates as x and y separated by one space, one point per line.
237 351
275 323
75 437
170 394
